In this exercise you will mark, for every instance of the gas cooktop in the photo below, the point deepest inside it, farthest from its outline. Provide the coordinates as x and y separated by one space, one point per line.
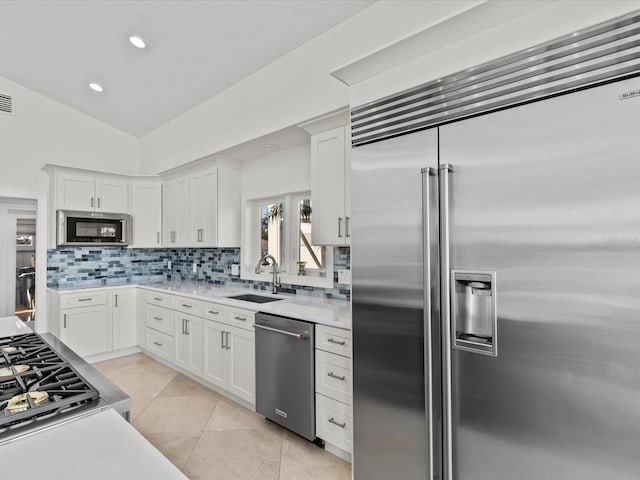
37 384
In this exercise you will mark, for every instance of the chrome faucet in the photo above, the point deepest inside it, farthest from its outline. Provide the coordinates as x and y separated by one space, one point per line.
274 270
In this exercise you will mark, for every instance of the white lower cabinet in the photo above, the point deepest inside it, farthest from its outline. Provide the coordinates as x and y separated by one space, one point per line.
334 387
215 353
230 359
124 305
86 329
159 343
241 363
188 342
334 423
210 340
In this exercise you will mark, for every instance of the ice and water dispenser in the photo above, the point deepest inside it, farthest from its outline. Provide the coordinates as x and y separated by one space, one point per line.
474 311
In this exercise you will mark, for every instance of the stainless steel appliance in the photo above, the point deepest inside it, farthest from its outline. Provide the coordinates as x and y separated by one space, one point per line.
92 228
43 383
496 306
285 381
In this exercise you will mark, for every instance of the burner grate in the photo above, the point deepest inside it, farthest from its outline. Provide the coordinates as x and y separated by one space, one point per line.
47 372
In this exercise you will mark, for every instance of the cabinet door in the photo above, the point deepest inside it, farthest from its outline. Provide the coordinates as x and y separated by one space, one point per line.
194 339
328 187
86 330
242 364
169 214
183 221
75 192
347 184
124 318
181 341
188 342
215 370
146 212
112 195
204 208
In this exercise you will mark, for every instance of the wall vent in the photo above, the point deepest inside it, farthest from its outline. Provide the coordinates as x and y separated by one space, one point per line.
603 53
6 104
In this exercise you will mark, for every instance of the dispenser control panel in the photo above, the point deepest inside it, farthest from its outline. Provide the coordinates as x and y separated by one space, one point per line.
473 305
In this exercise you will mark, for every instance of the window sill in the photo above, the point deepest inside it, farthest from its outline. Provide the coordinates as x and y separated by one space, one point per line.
285 278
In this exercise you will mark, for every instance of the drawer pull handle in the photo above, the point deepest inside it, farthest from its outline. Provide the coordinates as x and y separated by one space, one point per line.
213 313
158 299
186 305
337 342
158 318
85 299
333 375
337 424
157 343
237 317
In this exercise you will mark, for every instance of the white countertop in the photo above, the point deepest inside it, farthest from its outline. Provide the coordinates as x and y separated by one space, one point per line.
99 446
13 326
325 311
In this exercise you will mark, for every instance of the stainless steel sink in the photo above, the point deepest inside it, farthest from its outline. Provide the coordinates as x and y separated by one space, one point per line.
250 297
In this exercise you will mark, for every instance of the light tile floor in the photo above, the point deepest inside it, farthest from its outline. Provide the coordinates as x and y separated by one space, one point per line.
210 437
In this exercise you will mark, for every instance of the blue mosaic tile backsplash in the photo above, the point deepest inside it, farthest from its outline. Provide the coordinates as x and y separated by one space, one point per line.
71 267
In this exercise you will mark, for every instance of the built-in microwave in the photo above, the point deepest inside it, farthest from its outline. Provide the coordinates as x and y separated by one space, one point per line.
93 228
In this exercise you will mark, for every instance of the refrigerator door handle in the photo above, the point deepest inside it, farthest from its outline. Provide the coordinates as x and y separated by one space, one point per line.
427 173
445 308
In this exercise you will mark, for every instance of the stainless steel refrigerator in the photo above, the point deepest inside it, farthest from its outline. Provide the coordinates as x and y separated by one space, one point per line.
496 294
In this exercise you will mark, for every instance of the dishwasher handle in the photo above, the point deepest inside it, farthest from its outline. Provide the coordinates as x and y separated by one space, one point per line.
299 336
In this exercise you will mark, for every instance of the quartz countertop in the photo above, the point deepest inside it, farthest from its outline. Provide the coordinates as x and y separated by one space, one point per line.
320 310
99 446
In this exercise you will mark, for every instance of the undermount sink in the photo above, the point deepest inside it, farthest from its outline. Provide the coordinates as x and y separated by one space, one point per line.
250 297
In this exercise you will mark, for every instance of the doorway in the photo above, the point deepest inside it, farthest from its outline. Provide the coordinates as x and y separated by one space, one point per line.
26 268
17 257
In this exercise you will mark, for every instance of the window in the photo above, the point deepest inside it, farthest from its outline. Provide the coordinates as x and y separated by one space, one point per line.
283 227
271 220
311 259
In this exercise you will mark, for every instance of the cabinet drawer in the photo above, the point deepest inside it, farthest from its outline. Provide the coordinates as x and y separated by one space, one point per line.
161 299
333 376
188 305
88 299
241 318
334 423
214 311
159 318
159 343
334 340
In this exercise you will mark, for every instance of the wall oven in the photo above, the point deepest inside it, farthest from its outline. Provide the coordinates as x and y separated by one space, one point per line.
92 228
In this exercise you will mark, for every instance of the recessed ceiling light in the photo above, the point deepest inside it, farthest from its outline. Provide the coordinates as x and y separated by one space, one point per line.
137 42
96 87
270 146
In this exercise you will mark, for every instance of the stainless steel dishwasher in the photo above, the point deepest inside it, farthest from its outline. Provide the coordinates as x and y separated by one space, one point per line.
285 379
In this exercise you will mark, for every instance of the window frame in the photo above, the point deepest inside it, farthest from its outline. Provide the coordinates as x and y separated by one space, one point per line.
251 246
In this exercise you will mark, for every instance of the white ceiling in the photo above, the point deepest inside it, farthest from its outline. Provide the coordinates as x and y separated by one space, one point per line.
196 50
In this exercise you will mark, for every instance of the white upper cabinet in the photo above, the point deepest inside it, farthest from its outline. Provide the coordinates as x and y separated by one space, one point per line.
111 195
84 191
146 213
175 213
331 187
203 209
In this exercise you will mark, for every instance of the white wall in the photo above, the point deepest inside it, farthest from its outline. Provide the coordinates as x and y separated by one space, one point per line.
292 89
298 86
280 172
44 131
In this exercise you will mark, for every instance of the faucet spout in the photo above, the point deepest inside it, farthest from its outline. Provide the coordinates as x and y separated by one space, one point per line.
274 271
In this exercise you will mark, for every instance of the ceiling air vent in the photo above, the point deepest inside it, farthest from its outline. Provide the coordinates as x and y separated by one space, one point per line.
6 104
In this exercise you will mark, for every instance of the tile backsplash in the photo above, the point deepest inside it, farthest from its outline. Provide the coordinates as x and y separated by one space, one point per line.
72 267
